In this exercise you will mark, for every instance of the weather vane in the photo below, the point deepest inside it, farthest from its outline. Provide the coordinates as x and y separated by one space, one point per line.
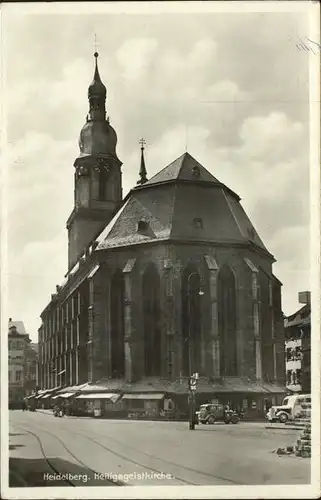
142 142
95 43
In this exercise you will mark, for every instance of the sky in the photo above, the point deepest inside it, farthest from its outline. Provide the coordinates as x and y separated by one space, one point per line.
232 87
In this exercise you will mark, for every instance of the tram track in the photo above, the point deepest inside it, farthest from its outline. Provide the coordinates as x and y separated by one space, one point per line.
169 462
151 456
113 452
52 466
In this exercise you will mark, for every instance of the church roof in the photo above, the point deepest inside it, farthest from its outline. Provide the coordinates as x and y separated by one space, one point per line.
183 168
180 203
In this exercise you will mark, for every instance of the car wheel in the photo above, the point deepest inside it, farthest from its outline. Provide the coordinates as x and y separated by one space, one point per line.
211 420
283 418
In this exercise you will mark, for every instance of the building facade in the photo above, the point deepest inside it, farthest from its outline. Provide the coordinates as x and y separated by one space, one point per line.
298 347
170 280
22 363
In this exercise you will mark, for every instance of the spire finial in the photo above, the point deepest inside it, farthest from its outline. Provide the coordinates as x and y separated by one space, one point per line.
142 171
95 46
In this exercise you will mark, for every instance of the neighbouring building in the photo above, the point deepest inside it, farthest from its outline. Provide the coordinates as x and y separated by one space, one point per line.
22 363
169 280
298 347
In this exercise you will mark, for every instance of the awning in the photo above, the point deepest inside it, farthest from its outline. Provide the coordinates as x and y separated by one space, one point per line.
144 396
66 395
60 373
45 396
113 397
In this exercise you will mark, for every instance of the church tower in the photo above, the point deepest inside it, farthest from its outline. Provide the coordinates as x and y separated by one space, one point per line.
97 183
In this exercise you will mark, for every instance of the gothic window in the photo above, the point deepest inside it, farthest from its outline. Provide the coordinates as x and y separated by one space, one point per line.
151 317
227 321
266 327
191 321
117 325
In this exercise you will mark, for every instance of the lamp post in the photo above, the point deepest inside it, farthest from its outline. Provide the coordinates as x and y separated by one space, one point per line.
192 378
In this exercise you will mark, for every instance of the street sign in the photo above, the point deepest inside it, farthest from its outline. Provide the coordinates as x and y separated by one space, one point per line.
193 387
192 382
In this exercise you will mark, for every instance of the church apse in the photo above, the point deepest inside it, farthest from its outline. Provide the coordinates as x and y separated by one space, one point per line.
117 325
227 321
151 321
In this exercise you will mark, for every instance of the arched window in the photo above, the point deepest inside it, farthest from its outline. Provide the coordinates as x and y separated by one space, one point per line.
102 184
267 354
227 321
117 325
151 316
191 321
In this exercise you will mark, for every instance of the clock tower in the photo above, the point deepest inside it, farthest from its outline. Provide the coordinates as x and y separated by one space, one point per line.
97 181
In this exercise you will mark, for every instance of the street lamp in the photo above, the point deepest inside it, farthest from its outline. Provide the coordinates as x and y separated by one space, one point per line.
192 388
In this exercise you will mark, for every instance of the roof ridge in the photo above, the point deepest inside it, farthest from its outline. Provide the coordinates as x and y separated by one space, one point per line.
168 165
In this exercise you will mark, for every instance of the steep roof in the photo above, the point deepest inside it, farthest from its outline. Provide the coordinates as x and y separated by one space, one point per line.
299 318
182 202
18 325
184 168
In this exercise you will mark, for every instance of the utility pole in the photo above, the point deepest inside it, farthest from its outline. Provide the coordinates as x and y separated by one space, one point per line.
192 380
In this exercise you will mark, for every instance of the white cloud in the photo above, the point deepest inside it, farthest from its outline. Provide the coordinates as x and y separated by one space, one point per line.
193 85
135 55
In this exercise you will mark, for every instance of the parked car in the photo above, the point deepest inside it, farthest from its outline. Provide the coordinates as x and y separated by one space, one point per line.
211 413
290 409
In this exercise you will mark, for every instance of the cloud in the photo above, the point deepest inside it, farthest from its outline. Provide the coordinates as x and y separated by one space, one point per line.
233 87
135 55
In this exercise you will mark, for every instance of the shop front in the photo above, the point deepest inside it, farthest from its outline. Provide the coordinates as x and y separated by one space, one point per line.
100 405
144 406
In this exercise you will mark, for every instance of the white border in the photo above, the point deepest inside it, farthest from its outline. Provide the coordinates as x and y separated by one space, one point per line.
280 491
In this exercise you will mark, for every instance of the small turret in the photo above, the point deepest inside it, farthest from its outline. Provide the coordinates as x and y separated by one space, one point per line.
142 171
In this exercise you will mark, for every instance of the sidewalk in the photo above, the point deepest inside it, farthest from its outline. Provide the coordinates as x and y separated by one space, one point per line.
282 427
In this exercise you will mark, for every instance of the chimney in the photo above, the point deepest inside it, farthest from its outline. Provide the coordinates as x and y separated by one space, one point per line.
305 298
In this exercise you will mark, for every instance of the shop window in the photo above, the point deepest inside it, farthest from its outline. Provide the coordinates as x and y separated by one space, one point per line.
298 376
289 354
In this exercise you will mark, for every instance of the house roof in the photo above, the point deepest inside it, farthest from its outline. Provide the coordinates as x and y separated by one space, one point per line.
299 318
18 325
178 204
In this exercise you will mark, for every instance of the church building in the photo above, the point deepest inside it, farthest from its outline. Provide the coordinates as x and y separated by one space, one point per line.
170 280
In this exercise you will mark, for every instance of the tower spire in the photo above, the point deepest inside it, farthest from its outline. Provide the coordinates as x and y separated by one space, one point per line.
97 95
142 170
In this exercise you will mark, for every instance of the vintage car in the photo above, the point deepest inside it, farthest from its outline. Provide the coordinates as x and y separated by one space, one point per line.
211 413
290 409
